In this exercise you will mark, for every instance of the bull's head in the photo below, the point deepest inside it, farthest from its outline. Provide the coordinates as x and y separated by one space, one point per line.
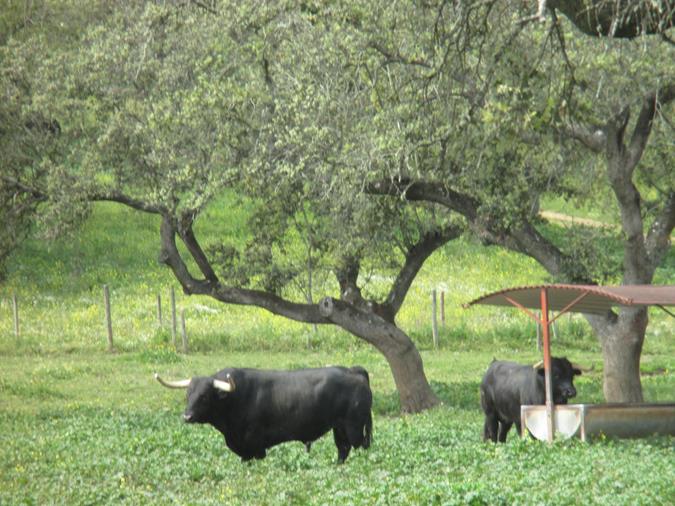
202 392
562 378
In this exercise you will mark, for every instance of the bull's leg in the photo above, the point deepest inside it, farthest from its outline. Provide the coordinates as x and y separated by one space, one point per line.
254 454
490 428
342 444
504 428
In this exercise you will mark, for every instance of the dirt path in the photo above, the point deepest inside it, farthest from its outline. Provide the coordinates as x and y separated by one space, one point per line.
564 218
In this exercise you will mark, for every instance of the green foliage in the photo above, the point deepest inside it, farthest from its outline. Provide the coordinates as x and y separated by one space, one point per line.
298 107
59 289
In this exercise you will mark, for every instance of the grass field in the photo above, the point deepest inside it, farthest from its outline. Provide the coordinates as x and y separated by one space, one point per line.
82 426
97 429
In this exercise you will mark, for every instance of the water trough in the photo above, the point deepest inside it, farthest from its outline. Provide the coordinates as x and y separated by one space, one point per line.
588 421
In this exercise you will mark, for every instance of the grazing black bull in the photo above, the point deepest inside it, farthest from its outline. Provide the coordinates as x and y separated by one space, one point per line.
507 385
257 409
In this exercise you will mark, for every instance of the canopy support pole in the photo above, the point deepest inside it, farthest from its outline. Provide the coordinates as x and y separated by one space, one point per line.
547 365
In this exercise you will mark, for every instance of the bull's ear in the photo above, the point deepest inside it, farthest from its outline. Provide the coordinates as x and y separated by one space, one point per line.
577 372
540 371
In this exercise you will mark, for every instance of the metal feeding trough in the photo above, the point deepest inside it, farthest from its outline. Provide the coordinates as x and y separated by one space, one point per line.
587 421
622 420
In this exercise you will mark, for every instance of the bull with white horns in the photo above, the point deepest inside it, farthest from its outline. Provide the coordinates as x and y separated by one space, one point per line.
257 409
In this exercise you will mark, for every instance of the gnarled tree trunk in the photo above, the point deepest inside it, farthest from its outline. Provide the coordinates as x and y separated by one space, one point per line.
400 352
621 340
407 369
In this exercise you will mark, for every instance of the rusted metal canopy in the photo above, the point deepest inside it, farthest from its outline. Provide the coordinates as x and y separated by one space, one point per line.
592 299
578 298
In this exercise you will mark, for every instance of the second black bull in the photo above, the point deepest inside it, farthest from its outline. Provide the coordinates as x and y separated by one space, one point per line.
508 385
257 409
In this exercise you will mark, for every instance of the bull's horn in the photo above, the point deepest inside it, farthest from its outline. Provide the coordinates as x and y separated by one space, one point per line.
583 369
225 386
173 384
538 365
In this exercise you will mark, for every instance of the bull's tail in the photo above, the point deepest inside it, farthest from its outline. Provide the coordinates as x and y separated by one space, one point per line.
368 431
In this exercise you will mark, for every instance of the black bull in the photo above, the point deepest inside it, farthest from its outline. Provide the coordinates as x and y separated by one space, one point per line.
257 409
507 385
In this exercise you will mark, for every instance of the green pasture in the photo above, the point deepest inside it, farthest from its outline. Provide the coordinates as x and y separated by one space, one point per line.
79 425
95 428
59 289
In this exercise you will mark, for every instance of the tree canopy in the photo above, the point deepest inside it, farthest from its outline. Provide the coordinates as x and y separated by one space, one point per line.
364 135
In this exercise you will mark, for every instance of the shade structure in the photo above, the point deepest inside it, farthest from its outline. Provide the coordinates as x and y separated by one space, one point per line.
592 299
589 299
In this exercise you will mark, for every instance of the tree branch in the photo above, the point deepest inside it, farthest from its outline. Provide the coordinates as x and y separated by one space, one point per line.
643 127
617 19
525 239
595 140
414 261
424 191
658 237
202 5
121 198
188 237
347 274
397 58
366 325
616 150
170 256
308 313
639 262
530 242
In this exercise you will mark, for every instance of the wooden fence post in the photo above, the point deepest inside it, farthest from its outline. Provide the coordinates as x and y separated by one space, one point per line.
108 318
159 309
15 312
173 318
185 338
434 324
443 308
